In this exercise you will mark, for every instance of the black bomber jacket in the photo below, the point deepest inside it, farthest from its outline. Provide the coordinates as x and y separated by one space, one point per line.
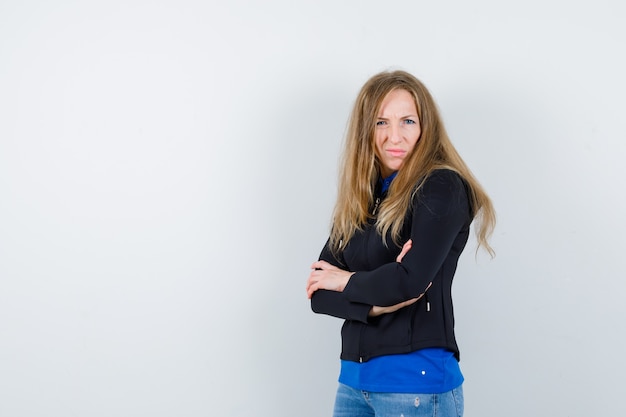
438 222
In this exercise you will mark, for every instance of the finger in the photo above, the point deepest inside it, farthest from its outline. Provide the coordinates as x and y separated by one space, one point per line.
311 289
405 248
313 278
320 265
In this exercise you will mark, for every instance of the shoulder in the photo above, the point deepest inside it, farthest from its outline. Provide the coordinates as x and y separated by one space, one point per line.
443 180
442 188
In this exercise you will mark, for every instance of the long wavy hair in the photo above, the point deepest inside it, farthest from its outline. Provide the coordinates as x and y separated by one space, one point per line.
360 166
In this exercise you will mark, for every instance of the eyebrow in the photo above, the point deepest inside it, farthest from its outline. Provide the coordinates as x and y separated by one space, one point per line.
410 116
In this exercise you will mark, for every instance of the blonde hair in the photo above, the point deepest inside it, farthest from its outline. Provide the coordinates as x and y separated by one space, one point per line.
360 166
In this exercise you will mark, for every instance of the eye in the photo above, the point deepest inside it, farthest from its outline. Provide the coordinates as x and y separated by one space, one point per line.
381 123
409 121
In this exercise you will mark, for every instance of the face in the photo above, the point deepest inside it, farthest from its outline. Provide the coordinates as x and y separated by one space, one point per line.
397 130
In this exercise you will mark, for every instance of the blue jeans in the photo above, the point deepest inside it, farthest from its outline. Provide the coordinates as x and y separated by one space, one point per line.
351 402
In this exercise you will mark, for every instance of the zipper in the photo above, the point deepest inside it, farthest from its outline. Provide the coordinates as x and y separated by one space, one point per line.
376 203
374 210
360 337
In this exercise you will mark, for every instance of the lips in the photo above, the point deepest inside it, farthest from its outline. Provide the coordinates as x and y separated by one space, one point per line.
396 152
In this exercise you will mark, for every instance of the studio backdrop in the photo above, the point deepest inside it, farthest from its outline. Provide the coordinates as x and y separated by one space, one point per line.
168 171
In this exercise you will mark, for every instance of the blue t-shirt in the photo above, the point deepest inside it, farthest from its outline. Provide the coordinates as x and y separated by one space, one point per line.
386 182
425 371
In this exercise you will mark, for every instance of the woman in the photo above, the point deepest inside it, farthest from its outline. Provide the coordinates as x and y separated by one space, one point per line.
402 218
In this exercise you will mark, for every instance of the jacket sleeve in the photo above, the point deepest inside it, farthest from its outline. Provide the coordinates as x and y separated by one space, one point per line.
439 212
335 303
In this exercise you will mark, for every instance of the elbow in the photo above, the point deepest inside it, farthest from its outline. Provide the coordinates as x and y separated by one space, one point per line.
320 303
315 305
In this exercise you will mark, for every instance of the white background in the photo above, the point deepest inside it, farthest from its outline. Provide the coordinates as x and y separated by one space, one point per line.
167 175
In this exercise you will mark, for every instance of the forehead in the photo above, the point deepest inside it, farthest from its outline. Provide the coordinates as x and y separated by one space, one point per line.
398 100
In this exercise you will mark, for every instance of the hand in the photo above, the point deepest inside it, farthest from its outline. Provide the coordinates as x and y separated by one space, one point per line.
378 311
408 245
325 276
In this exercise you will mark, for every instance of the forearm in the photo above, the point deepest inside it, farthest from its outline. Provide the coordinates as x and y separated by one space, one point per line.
334 304
386 286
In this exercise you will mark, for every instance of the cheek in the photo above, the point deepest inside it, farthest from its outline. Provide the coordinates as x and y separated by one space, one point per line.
413 144
378 142
417 138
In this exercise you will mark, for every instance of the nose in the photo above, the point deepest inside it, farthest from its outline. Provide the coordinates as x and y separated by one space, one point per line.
395 136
